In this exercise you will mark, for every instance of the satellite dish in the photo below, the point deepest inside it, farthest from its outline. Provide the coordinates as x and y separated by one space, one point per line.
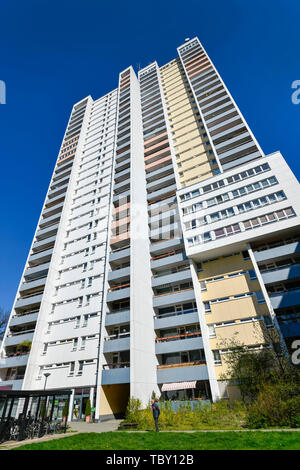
187 39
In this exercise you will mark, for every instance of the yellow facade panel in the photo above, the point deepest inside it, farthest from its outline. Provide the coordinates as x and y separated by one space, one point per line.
224 266
235 309
230 286
249 334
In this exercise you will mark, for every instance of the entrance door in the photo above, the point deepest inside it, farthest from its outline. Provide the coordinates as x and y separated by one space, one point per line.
79 404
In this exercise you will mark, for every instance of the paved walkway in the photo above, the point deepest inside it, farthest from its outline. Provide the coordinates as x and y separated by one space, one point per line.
104 426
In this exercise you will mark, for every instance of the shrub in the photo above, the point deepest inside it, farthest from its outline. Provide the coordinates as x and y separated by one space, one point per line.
276 405
134 406
88 408
221 415
65 410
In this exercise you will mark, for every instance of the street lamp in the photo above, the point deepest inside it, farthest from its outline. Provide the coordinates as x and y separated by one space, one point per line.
46 377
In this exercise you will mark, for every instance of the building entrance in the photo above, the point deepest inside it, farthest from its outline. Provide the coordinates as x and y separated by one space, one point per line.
81 397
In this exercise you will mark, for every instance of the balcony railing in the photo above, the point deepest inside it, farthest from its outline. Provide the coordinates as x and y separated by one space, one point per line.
172 314
122 286
116 365
117 336
182 364
118 311
171 292
165 255
16 354
24 332
22 314
15 377
193 334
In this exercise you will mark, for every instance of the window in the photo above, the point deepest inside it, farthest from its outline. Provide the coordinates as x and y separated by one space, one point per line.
217 357
71 368
211 331
252 274
80 368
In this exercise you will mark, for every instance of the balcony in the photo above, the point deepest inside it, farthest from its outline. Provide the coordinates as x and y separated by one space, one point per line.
285 299
116 343
162 218
14 360
166 231
159 183
172 277
33 284
290 330
17 320
14 383
178 343
17 338
49 220
117 318
56 209
160 172
162 192
158 248
47 232
44 243
178 318
174 298
122 186
29 301
183 372
123 165
116 373
118 293
276 252
124 196
122 175
58 190
42 256
168 259
119 274
281 274
119 255
58 199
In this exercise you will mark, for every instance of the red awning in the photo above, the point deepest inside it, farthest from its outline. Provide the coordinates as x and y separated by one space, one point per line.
178 386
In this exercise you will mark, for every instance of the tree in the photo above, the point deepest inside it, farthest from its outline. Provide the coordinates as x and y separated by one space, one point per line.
65 410
4 316
88 408
250 367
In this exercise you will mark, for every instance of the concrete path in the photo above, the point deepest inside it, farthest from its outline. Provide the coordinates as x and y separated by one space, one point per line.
104 426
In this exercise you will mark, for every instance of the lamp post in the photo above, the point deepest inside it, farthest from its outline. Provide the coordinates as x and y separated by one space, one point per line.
46 377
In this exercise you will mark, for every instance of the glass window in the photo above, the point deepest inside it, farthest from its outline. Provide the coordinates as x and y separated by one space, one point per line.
211 331
220 232
289 212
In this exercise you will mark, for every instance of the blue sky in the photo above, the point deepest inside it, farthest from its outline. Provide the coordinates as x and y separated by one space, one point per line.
54 53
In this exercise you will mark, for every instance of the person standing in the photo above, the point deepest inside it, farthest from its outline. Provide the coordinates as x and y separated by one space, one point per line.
156 413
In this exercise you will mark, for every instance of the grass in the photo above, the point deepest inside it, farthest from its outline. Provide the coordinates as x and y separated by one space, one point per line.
247 440
219 416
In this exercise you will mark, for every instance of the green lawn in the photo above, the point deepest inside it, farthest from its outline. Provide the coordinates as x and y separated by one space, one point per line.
248 440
